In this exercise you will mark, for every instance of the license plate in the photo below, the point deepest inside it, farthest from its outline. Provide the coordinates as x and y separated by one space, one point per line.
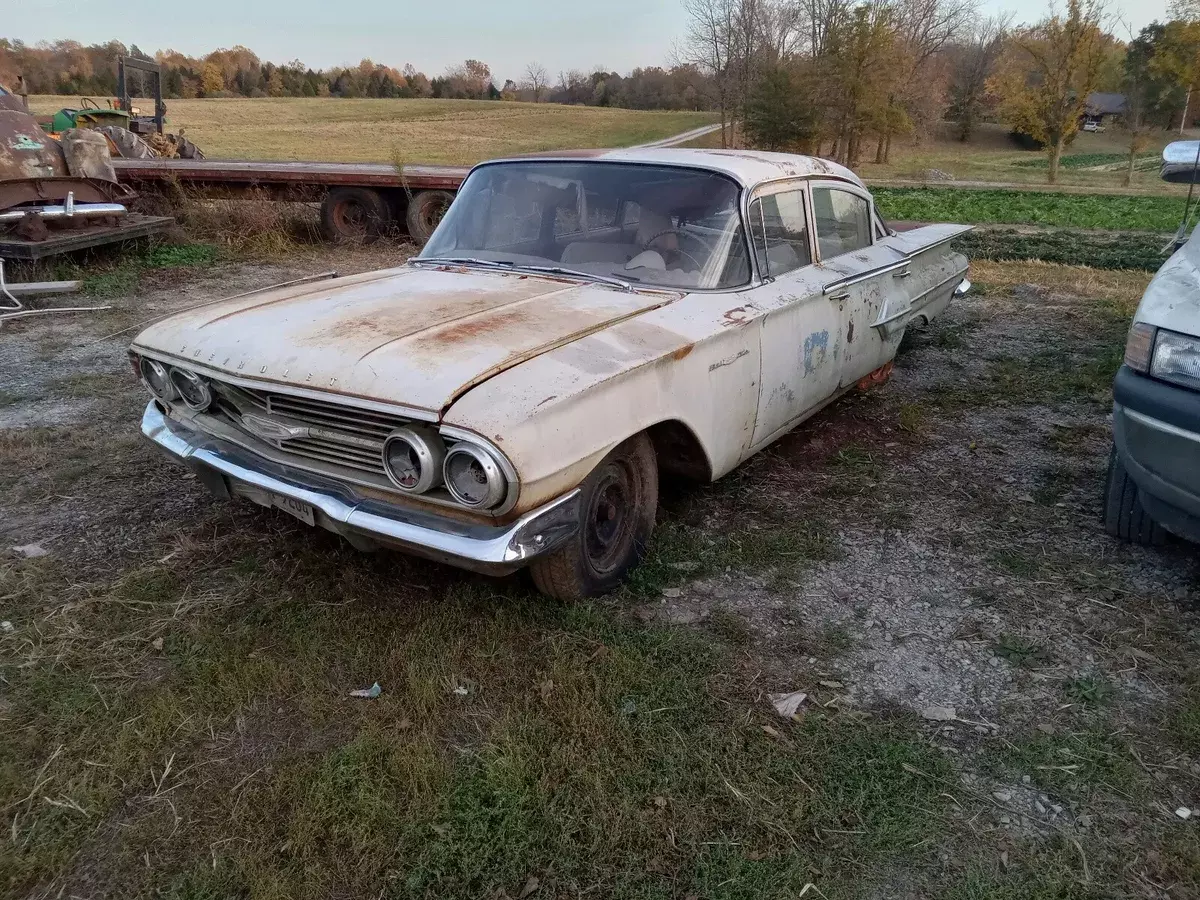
298 508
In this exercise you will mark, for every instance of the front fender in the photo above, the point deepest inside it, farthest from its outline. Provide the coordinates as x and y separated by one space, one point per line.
558 415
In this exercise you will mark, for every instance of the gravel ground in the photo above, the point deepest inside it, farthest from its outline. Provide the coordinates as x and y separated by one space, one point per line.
970 580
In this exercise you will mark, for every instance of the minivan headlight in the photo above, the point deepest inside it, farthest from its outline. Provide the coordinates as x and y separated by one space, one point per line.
1177 358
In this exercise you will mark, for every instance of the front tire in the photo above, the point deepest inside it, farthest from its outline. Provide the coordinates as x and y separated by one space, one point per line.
1124 515
617 509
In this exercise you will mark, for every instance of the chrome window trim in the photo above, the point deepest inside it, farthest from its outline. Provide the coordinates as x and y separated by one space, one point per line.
850 188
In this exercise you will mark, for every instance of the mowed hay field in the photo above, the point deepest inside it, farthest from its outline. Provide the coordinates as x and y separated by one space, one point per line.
406 131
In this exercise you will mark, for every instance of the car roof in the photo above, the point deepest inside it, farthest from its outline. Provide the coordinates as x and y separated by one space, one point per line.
748 167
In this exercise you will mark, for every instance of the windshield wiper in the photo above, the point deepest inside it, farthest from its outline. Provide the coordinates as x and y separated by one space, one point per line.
575 273
523 267
462 261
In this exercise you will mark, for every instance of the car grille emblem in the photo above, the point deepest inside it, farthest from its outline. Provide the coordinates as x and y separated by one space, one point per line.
271 430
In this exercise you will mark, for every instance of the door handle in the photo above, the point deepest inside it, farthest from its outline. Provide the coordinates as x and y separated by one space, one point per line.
903 273
839 297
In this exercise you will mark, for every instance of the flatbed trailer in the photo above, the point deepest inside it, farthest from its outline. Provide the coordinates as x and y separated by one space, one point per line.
357 199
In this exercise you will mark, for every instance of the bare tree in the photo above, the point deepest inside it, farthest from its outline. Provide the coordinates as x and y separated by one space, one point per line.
707 47
974 61
537 80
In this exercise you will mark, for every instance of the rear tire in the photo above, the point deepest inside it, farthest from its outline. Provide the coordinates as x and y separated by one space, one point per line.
128 144
1124 515
350 214
617 506
425 211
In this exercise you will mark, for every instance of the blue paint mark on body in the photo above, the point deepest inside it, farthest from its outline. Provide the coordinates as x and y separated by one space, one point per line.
816 346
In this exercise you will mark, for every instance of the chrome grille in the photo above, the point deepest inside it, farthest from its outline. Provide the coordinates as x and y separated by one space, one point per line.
338 435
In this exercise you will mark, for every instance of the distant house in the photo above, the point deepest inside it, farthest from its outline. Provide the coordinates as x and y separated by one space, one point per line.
1100 107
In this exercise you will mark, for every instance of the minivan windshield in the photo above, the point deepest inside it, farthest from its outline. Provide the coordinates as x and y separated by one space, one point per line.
662 226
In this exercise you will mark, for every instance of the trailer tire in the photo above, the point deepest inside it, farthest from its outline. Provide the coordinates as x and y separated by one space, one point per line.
349 214
425 210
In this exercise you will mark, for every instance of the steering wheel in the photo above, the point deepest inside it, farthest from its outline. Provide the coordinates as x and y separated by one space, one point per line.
84 101
682 234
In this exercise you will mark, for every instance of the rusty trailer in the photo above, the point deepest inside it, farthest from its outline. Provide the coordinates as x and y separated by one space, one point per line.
357 199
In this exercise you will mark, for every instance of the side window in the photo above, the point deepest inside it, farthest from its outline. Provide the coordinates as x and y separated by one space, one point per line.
780 233
843 221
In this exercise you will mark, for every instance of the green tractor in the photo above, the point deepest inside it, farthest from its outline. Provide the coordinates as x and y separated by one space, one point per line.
130 135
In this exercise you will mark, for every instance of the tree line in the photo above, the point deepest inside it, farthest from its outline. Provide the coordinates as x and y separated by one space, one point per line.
839 78
843 78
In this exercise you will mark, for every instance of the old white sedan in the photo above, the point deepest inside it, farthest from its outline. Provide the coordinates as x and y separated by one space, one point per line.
574 326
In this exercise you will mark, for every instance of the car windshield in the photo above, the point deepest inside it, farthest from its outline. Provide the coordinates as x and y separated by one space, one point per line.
664 226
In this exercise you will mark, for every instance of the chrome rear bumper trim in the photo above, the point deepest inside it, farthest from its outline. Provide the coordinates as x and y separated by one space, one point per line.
492 549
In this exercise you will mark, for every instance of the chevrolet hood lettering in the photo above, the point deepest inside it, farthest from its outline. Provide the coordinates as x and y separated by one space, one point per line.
431 333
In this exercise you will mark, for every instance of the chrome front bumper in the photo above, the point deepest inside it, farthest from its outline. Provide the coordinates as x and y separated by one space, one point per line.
228 470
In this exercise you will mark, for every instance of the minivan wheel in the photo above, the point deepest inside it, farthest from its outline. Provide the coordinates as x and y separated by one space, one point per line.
1124 515
617 506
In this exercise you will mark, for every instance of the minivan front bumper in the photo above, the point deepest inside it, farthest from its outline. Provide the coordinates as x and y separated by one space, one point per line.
228 470
1156 430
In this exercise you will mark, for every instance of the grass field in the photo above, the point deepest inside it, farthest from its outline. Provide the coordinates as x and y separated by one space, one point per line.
429 131
1092 161
1112 212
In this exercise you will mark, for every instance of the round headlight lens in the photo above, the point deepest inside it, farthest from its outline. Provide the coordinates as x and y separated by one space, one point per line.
157 379
192 388
412 458
474 477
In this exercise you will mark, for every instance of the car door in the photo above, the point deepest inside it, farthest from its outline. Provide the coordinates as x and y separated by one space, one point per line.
801 332
883 280
864 276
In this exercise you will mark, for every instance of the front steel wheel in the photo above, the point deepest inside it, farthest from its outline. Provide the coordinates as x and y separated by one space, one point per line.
617 507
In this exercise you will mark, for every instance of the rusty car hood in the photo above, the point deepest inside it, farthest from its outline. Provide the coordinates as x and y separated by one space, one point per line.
415 335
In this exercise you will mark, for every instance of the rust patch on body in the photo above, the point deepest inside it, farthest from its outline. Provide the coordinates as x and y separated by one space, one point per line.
682 352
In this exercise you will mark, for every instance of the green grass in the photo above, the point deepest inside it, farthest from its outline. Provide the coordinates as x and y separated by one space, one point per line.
643 771
1069 247
1100 211
1089 160
1074 765
118 277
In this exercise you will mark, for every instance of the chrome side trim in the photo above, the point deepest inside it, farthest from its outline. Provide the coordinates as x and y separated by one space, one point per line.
485 548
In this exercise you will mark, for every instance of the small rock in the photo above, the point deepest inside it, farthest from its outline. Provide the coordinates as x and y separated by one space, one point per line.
831 684
157 643
1046 728
1183 812
1005 820
32 551
6 626
1002 796
1025 779
1040 806
671 593
939 713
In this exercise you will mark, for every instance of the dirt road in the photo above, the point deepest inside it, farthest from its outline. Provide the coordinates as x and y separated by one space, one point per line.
1000 701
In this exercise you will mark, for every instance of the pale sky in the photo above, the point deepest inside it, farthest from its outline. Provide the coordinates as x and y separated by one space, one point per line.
506 34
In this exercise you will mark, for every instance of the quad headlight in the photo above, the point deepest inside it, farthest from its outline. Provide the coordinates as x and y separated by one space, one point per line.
474 477
412 458
192 388
1176 358
158 379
